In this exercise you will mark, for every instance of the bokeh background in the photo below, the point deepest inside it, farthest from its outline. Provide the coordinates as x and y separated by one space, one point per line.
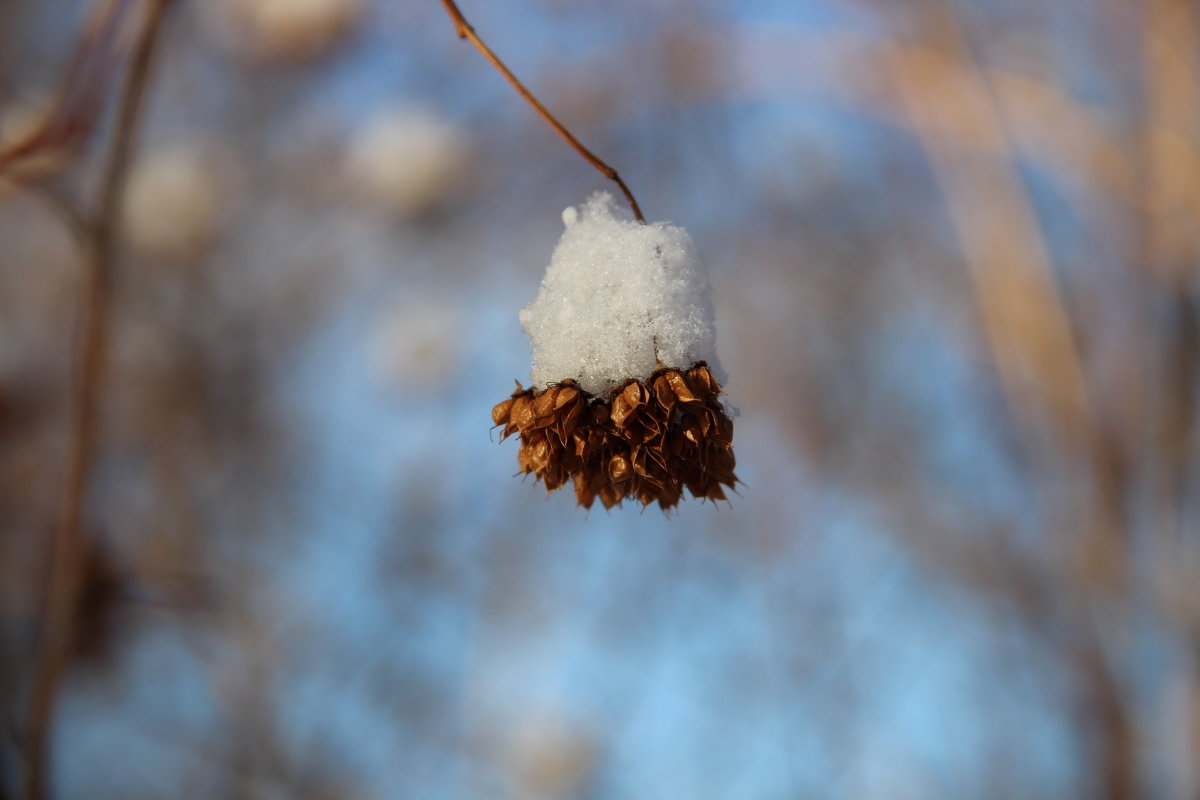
954 245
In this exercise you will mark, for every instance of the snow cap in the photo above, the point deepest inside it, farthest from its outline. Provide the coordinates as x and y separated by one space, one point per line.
619 300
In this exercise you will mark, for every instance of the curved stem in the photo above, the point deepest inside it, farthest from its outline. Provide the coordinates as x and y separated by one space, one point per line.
465 31
67 564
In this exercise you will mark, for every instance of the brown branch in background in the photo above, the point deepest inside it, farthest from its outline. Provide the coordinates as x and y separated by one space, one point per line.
66 566
1170 29
465 31
79 100
1103 712
1022 314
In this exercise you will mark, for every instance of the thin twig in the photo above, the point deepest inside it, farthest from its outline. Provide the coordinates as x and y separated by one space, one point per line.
77 105
465 31
66 568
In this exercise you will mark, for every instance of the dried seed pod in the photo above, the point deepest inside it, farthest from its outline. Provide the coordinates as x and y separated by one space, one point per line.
720 438
600 414
648 440
543 407
610 495
618 468
566 393
555 477
663 394
680 388
585 494
501 412
701 379
522 415
625 404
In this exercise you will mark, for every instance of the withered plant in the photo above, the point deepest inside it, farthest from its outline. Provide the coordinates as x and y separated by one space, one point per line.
646 440
649 437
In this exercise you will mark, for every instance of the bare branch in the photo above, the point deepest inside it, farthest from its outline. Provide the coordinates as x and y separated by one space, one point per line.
66 567
465 31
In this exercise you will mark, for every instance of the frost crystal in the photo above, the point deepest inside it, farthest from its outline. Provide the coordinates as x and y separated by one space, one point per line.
619 300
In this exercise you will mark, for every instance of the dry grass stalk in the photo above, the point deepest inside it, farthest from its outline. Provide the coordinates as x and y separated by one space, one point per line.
647 440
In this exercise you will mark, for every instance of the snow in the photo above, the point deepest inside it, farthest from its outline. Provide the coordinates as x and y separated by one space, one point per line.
173 201
284 30
409 160
619 299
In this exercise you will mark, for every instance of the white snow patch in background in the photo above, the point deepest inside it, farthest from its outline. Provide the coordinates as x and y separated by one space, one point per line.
409 160
173 202
615 293
281 30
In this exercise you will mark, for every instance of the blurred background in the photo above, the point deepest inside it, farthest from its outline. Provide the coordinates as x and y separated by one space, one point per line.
954 245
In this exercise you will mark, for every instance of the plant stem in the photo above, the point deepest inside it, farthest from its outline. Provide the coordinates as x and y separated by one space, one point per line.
79 100
66 567
465 31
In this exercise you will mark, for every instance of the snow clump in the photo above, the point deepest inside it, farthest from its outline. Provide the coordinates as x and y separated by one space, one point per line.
620 299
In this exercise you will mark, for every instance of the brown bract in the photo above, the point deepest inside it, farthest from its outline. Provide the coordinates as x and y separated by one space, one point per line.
647 440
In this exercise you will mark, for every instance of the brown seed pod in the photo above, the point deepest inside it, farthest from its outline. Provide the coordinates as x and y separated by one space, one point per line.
522 416
680 388
648 440
618 468
701 379
501 412
625 404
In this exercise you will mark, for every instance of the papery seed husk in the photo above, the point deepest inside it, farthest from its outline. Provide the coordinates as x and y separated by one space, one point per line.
700 378
663 393
501 411
566 394
632 443
680 388
618 468
621 410
521 413
543 406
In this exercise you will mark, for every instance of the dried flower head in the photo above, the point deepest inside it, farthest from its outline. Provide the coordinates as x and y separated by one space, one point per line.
645 439
623 309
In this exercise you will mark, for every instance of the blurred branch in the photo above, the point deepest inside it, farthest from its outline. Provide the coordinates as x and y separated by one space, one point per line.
1102 706
465 31
1175 436
1033 345
26 162
78 103
1170 202
66 567
1020 306
1058 131
1170 139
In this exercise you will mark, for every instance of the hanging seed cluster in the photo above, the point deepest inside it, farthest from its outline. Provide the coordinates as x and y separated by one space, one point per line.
647 440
